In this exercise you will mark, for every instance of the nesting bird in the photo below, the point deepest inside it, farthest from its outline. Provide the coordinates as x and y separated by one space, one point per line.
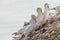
46 11
39 18
31 27
20 31
32 24
57 8
19 34
26 24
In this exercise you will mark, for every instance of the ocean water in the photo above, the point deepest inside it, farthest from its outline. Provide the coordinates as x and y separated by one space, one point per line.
13 14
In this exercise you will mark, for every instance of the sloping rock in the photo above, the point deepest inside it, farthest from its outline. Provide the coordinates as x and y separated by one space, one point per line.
48 31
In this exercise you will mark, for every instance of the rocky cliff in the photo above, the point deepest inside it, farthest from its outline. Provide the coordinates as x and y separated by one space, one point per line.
48 31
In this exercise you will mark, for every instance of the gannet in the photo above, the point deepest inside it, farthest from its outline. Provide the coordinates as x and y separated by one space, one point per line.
32 24
57 8
26 24
31 27
46 12
39 18
20 31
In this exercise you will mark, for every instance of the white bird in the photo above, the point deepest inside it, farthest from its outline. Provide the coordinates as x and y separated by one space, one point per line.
39 18
57 8
31 27
20 31
32 24
26 25
46 12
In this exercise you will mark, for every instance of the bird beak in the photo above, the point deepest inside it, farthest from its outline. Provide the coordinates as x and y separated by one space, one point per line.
53 9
